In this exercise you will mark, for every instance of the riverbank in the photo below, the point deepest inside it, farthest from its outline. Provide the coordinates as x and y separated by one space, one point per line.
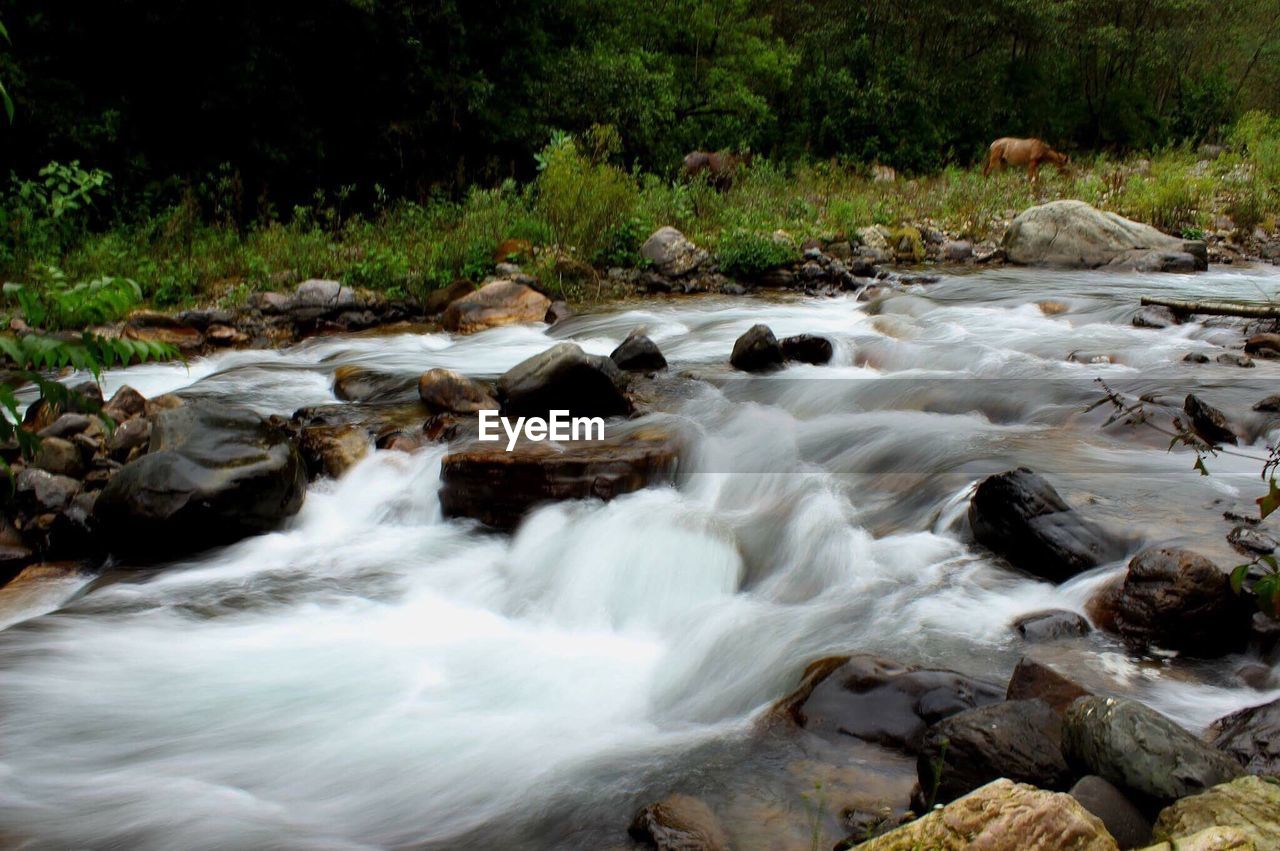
580 218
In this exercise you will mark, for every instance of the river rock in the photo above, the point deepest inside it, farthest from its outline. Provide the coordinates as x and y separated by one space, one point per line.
671 253
1248 804
437 300
1177 599
1207 421
357 384
1036 680
332 450
320 293
1268 405
1019 515
60 457
564 378
444 391
679 823
1051 625
151 327
1002 816
125 403
1210 839
128 436
501 302
1017 739
67 425
1075 235
757 350
41 490
214 474
807 348
638 353
1125 822
1252 735
956 251
879 700
1141 751
1266 345
485 482
1155 316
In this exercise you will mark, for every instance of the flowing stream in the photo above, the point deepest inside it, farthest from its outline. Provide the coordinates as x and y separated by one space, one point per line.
375 676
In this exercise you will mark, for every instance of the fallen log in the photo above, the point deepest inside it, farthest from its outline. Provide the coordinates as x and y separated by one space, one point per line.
1250 310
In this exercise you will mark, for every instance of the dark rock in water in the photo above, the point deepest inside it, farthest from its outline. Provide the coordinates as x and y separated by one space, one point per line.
757 350
1207 421
638 353
1249 541
496 487
1019 516
67 425
1051 625
444 391
1032 680
1141 751
1017 739
564 378
1269 405
1195 357
1155 317
1125 822
128 436
879 700
1235 359
807 348
214 474
679 823
1179 600
1257 675
1251 735
1157 261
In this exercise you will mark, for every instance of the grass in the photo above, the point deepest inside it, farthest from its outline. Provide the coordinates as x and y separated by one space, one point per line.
595 214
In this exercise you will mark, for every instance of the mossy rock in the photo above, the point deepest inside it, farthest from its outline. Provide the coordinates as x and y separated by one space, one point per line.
906 243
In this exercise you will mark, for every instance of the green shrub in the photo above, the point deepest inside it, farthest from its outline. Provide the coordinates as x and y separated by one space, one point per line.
1170 198
581 200
745 253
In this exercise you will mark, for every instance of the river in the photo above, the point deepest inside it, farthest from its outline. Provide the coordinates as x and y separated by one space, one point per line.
373 675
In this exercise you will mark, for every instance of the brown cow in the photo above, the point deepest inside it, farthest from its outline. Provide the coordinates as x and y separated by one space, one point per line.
1029 152
720 167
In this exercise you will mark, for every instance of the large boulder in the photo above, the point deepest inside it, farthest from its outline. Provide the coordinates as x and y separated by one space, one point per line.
1075 235
1252 735
497 303
1002 816
671 253
1179 600
444 391
1020 516
1141 751
757 350
679 823
879 700
1017 739
321 293
485 482
214 473
564 378
1248 804
1208 422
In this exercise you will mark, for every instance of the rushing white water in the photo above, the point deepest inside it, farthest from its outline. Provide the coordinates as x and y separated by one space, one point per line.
375 676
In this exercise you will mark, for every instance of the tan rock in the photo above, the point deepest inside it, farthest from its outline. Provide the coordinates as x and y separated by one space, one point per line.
445 391
494 304
1002 816
1209 839
1251 804
679 823
333 450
